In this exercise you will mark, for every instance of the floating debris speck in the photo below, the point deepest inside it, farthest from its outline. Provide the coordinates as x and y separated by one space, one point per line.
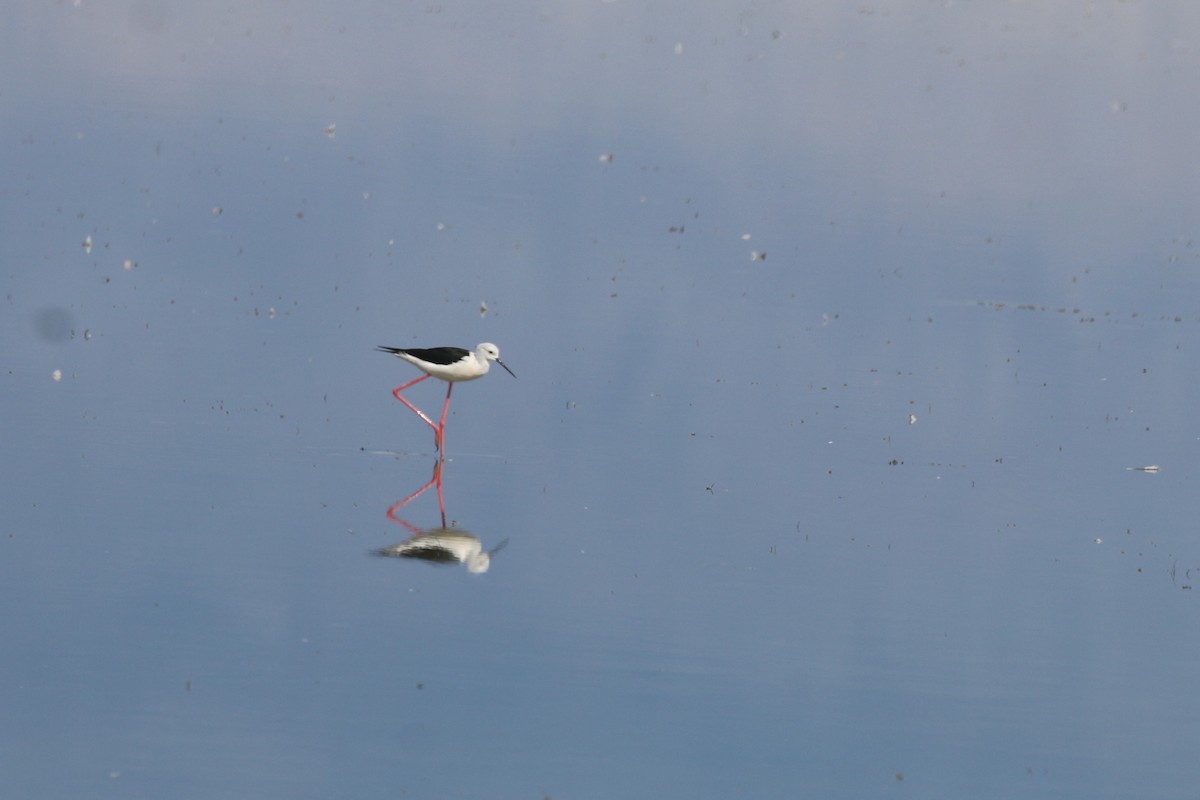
912 419
129 264
745 237
483 308
1151 468
331 130
757 256
56 375
679 48
87 244
606 158
218 211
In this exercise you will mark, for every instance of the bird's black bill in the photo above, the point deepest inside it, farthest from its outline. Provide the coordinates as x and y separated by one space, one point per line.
510 372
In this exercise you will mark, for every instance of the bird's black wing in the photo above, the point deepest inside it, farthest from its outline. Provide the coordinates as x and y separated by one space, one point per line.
435 355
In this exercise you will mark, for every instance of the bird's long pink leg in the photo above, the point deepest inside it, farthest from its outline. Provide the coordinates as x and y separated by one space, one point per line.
396 393
440 437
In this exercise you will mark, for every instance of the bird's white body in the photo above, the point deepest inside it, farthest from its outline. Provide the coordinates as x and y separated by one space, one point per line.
452 364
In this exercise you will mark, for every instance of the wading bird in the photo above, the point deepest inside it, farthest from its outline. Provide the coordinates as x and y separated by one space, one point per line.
451 364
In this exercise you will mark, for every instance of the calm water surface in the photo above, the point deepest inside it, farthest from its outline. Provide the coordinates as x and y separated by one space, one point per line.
844 335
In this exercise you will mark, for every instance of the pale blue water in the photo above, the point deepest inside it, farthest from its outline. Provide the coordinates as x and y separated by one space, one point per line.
857 517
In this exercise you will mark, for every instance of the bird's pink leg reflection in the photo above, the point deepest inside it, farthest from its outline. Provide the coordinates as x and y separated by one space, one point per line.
436 480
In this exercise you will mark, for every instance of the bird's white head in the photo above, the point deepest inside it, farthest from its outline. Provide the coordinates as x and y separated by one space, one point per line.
490 352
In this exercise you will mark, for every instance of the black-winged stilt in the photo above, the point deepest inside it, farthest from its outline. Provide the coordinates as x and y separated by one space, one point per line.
451 364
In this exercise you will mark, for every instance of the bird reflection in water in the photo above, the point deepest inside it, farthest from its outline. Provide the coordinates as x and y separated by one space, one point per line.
441 545
445 546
